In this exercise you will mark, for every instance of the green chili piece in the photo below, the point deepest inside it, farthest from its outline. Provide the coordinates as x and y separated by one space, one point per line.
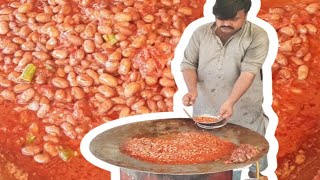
30 138
28 72
110 38
66 154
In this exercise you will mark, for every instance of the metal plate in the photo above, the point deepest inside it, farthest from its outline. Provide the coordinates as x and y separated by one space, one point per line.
106 145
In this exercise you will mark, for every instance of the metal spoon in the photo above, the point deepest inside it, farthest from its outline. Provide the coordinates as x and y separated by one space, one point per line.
187 113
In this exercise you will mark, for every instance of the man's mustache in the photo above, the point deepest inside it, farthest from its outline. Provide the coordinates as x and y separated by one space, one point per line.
229 27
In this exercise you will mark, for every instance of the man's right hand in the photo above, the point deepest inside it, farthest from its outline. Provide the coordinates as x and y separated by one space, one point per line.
189 98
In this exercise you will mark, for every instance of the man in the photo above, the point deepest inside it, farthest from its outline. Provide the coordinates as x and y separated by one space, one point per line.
222 64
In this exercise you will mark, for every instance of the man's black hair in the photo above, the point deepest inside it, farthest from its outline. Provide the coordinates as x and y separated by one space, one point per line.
227 9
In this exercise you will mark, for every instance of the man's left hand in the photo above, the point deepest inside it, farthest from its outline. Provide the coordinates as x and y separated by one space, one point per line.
226 110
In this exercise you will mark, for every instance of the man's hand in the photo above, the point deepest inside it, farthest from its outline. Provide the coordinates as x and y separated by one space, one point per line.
240 87
189 98
226 110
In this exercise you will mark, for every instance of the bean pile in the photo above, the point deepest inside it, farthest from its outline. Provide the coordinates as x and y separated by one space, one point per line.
295 75
205 119
179 148
79 63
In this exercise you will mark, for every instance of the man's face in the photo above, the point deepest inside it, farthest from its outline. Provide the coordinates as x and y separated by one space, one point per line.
230 26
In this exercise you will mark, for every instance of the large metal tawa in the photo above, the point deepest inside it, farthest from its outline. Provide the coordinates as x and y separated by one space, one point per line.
106 146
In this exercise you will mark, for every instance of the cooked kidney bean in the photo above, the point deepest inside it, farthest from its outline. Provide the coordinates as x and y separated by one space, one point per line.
161 105
100 97
151 80
115 56
122 17
51 149
11 48
31 150
24 8
43 17
108 80
34 106
5 82
312 29
296 90
166 82
105 106
94 75
6 11
142 110
77 93
84 80
4 27
124 67
288 30
125 31
34 128
47 92
88 46
107 91
89 30
168 92
60 82
128 52
69 130
112 66
99 57
19 88
60 54
43 110
41 158
50 138
60 95
76 40
8 95
124 112
72 79
303 71
26 96
137 105
51 43
104 29
139 41
53 130
119 100
131 89
42 56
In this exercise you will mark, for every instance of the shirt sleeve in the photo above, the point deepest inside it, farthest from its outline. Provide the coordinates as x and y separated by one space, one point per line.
191 53
256 53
